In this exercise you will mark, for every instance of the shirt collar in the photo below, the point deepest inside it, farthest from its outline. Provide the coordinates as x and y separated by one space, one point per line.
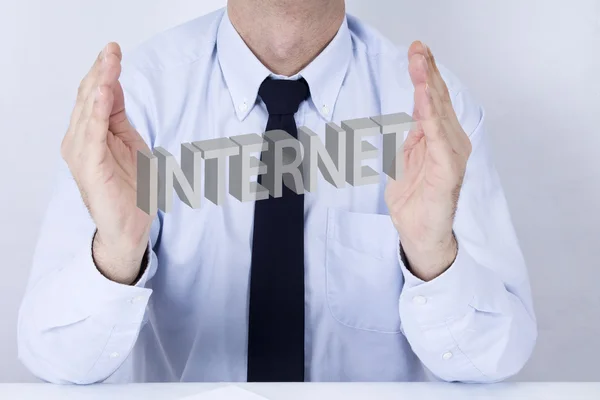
244 73
325 74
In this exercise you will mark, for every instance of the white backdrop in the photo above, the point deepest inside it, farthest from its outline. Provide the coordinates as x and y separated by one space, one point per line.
533 64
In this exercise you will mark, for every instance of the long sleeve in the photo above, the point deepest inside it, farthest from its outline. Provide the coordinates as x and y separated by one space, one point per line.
475 322
74 325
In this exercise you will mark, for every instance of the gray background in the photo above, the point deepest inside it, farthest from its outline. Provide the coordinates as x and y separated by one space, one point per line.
533 64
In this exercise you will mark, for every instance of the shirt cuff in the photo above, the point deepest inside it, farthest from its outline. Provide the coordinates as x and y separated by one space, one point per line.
463 286
89 293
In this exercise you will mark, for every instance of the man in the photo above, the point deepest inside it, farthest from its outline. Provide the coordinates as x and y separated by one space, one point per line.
320 286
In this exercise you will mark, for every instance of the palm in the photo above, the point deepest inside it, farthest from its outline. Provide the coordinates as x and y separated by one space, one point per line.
423 200
412 197
115 173
100 148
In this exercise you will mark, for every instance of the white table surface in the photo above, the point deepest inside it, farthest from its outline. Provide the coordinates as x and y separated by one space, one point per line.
310 391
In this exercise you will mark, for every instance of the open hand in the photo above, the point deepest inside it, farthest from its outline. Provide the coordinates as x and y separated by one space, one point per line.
100 148
422 203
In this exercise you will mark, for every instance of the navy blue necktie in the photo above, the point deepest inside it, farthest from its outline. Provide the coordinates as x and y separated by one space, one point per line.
276 311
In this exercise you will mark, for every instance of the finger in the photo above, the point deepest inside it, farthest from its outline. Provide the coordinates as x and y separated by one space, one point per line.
417 64
422 66
417 47
97 126
90 81
87 147
111 50
422 70
437 81
108 77
439 107
83 91
443 103
440 111
119 123
427 117
435 101
417 69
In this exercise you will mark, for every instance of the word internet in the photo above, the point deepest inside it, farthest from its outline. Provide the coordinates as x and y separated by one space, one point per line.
285 160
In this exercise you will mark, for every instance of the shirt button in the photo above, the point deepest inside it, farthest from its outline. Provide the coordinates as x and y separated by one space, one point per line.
114 355
136 299
446 356
243 107
325 110
420 300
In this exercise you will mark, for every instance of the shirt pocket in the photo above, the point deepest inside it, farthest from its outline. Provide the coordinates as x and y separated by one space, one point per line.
363 272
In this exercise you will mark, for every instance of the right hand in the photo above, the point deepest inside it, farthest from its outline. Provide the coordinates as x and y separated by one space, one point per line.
100 148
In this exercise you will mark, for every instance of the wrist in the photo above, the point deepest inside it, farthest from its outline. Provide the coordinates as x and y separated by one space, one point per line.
118 263
427 262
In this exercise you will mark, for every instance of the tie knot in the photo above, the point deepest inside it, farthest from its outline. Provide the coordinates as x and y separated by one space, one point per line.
283 96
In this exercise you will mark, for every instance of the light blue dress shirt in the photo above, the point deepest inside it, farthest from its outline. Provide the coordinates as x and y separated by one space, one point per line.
367 317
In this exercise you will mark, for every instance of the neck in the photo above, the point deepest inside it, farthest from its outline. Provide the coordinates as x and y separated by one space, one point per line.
286 35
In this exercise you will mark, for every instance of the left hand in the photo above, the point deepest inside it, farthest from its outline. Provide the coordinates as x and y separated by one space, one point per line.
422 203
